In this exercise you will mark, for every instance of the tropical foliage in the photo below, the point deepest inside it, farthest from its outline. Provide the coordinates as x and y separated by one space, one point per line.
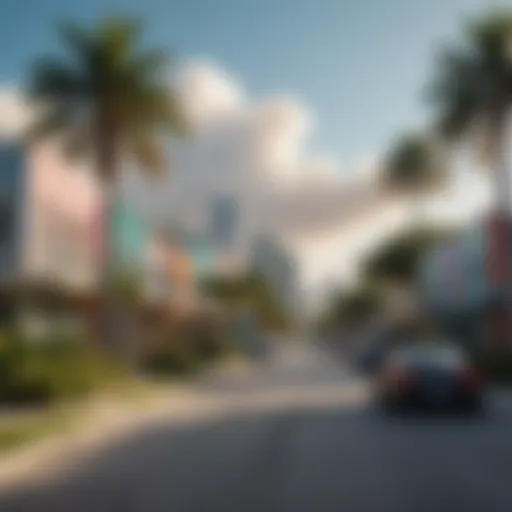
473 88
399 259
108 100
415 164
252 292
352 309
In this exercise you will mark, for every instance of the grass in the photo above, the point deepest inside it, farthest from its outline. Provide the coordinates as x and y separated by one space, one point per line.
24 428
21 429
18 432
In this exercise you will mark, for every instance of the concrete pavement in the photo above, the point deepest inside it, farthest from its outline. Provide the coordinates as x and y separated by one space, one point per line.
295 435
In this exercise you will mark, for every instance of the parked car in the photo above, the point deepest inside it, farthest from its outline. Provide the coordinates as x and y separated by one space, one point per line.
429 376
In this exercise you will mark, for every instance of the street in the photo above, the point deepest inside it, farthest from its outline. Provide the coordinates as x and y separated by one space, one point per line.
296 434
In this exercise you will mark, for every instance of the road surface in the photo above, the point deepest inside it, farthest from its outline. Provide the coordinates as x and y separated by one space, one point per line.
294 435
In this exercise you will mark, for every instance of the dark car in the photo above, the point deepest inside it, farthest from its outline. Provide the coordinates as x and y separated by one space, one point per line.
435 377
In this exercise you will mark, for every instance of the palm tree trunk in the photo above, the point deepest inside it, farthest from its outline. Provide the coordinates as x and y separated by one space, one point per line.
107 269
107 172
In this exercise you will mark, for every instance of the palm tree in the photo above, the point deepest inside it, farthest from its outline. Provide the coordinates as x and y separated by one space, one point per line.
109 100
414 168
473 94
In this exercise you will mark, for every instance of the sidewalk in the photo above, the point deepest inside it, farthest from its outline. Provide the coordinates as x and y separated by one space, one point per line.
90 426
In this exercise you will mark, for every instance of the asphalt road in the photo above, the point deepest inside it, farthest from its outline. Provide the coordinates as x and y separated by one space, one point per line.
294 435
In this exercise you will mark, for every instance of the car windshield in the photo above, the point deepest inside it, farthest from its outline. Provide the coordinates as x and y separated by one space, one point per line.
430 355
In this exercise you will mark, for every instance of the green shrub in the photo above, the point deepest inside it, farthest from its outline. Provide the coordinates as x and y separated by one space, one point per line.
207 341
172 359
51 370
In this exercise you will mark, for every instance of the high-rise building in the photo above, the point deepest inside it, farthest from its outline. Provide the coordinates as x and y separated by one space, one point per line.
49 215
224 222
226 237
52 221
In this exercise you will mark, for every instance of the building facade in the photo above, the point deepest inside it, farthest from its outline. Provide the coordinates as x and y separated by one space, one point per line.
53 222
461 281
50 214
224 222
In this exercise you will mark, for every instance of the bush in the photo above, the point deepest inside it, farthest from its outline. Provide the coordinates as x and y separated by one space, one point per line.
207 340
50 370
172 359
186 349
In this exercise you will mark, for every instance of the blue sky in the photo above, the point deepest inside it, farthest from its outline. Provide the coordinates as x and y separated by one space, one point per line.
360 65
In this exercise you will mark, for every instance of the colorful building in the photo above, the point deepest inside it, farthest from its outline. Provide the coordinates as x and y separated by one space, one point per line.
459 282
50 214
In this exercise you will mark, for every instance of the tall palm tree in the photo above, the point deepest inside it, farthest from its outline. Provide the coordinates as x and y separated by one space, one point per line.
414 168
473 94
110 100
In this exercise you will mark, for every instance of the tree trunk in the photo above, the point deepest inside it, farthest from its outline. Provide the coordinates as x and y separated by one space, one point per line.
106 167
107 270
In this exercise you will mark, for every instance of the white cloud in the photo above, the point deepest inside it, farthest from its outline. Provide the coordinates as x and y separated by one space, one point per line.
208 94
14 113
256 150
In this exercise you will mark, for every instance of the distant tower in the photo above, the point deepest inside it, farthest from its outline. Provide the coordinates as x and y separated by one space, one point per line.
224 222
271 259
225 235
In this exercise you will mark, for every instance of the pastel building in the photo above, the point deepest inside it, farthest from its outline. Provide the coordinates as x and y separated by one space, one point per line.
52 222
49 218
457 284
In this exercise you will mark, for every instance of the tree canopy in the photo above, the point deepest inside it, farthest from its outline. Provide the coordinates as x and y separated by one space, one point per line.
415 164
106 96
398 260
472 90
250 291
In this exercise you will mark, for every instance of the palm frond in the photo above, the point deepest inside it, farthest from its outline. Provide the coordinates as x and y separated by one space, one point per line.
414 164
148 153
51 122
154 106
55 80
474 84
78 41
118 37
110 97
150 65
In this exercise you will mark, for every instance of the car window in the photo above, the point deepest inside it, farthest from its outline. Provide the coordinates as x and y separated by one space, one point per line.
428 355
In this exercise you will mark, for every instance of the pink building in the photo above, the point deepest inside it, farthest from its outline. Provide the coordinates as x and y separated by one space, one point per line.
61 220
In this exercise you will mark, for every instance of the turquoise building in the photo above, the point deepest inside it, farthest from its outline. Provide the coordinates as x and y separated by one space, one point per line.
131 238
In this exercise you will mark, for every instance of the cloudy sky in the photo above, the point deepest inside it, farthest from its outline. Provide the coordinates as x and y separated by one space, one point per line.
258 149
292 103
